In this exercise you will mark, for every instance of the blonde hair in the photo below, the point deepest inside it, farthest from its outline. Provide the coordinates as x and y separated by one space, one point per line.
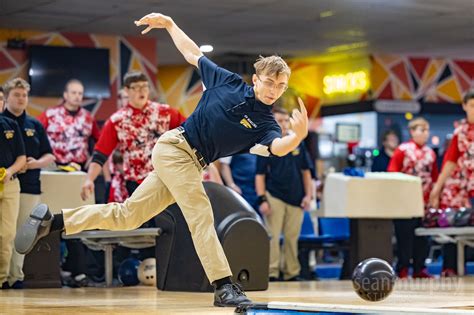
418 122
17 83
272 65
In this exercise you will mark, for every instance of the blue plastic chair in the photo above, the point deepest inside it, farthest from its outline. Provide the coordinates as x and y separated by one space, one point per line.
334 234
307 230
335 229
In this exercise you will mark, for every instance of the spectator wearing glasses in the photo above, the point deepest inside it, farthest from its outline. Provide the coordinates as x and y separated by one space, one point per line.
132 130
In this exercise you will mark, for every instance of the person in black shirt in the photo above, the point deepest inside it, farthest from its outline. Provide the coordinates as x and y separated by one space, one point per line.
285 189
38 155
12 160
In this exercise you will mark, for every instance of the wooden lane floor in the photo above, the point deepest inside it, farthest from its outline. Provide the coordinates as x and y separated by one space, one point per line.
448 294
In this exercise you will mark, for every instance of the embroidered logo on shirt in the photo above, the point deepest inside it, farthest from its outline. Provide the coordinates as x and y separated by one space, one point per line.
30 132
9 134
247 122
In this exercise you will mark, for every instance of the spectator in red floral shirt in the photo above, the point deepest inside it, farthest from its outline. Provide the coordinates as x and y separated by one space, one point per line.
69 126
455 185
414 158
132 130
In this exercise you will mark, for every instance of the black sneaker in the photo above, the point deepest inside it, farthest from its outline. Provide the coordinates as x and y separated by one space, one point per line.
230 295
37 226
5 286
17 285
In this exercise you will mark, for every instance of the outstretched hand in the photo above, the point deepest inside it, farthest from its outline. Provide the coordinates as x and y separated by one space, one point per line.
154 20
299 120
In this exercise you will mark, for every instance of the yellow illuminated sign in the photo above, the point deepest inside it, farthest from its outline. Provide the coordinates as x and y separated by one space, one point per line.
345 83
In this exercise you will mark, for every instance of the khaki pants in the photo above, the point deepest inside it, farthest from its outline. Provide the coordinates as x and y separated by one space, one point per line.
176 178
27 202
284 219
9 208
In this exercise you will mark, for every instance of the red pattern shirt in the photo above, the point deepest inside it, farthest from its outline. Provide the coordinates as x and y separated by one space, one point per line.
134 133
459 187
413 159
69 133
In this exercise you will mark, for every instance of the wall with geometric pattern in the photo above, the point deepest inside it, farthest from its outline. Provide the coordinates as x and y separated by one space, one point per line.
391 76
180 86
126 53
422 79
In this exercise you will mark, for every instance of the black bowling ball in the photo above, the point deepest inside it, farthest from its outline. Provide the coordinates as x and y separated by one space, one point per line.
373 279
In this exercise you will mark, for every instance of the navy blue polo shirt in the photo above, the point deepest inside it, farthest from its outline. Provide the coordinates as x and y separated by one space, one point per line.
11 143
228 119
36 145
283 177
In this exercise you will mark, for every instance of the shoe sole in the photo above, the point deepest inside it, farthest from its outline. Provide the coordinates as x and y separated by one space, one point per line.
231 305
27 236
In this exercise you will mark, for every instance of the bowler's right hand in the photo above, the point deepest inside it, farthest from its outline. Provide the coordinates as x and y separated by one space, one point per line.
299 121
